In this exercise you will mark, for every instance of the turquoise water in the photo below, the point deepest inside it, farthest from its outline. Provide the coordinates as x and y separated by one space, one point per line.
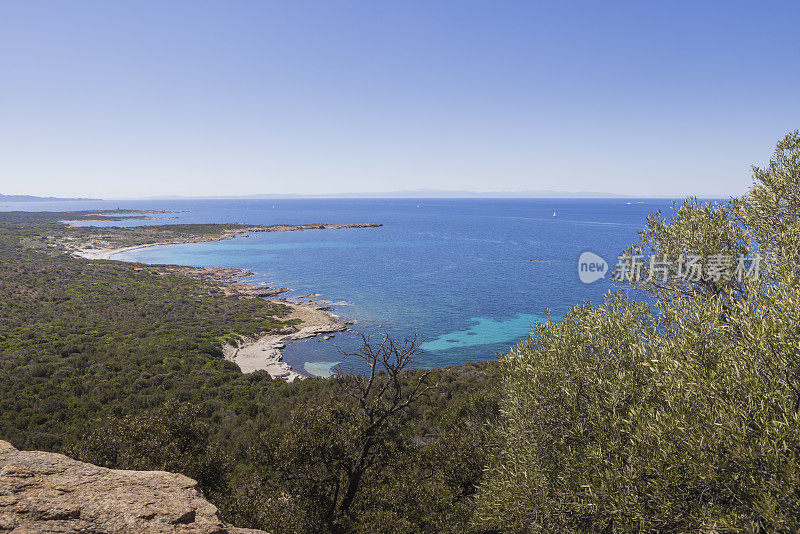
468 276
485 331
324 369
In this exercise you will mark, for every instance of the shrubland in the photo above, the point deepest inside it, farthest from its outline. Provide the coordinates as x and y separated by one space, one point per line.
672 406
682 415
120 364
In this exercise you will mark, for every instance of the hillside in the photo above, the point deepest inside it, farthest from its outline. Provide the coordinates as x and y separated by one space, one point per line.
680 413
120 364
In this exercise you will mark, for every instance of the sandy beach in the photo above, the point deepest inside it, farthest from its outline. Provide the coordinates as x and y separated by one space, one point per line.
263 353
97 251
107 253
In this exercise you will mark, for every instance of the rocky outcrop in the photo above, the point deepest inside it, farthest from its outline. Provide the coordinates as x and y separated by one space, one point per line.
47 492
222 277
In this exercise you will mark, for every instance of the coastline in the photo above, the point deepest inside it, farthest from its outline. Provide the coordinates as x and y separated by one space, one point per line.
106 253
262 353
265 352
100 248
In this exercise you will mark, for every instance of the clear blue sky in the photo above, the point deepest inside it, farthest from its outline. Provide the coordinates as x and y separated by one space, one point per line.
143 98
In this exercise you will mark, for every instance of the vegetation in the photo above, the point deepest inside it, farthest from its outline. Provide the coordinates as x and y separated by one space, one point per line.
79 339
684 417
678 414
46 231
119 364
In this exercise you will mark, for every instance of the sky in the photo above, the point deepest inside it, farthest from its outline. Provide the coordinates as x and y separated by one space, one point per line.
135 99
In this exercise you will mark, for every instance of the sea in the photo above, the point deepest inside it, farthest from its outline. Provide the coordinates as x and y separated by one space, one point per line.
469 277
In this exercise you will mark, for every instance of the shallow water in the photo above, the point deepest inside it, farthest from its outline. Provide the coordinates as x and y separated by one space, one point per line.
469 276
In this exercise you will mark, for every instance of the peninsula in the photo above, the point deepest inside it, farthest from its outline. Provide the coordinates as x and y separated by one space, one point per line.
256 350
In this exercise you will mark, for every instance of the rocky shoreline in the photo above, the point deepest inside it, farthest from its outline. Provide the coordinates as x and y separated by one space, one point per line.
263 353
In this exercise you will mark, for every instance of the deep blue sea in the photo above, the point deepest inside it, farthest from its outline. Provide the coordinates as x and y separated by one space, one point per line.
470 276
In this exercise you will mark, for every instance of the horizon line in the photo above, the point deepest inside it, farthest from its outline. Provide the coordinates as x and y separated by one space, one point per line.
402 194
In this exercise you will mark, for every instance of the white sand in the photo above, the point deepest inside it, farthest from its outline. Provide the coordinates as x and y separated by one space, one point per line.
264 353
106 253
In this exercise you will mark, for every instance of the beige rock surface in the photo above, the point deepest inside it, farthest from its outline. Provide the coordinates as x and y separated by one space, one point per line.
47 492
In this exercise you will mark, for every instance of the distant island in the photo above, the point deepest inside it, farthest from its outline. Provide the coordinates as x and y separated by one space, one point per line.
31 198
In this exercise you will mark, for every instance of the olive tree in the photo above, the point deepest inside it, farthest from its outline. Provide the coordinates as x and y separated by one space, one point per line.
679 416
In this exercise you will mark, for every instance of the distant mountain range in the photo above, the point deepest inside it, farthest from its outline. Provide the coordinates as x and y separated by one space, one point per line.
408 193
424 193
31 198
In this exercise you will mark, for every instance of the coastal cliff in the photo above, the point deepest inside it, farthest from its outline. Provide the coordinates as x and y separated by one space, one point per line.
47 492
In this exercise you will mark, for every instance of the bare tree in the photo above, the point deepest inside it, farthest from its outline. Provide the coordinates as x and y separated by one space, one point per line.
330 452
382 395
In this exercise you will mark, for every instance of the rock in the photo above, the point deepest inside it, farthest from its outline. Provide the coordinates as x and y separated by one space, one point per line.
264 291
48 492
312 331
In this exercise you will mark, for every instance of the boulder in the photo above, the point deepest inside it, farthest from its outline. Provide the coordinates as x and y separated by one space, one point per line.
48 492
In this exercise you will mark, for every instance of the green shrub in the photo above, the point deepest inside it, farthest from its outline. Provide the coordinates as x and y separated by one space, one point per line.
684 418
